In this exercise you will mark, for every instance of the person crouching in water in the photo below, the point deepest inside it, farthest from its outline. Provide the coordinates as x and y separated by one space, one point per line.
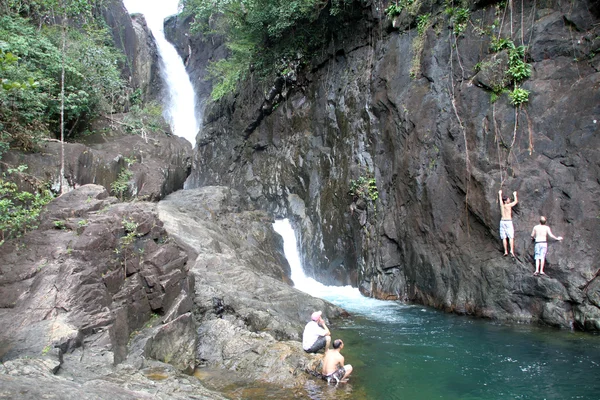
333 364
316 335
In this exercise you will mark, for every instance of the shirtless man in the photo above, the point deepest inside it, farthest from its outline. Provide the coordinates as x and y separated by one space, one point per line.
507 231
333 364
539 234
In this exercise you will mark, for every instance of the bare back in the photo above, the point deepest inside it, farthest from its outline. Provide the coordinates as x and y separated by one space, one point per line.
540 233
332 361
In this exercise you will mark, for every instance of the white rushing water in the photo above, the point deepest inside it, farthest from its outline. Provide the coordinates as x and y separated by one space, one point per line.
180 104
346 297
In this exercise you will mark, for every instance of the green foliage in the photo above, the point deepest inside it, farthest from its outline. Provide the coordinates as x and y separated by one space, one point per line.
266 37
120 186
422 23
459 17
364 188
19 210
127 241
499 44
60 224
518 96
31 60
396 8
518 71
393 10
141 121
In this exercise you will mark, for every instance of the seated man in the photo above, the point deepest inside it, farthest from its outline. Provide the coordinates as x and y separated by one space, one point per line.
316 335
333 364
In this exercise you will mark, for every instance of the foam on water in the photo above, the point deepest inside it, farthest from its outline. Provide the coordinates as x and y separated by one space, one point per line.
347 297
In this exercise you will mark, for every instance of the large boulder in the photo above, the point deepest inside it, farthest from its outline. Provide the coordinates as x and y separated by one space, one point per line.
159 163
95 267
250 319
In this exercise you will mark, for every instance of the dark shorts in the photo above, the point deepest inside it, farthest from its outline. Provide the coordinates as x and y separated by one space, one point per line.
335 376
317 345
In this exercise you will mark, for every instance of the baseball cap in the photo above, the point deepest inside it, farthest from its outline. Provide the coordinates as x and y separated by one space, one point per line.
316 315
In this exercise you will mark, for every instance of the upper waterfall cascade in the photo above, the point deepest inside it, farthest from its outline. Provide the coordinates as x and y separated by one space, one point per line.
180 103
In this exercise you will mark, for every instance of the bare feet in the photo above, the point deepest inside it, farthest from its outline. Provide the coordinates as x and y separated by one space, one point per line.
535 273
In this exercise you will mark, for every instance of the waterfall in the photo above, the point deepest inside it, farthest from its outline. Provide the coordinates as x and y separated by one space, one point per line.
346 297
180 103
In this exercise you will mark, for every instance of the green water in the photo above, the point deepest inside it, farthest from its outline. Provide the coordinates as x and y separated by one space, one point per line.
411 352
417 353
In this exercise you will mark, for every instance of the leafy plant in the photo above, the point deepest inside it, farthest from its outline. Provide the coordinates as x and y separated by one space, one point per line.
131 234
394 10
142 120
20 210
518 96
422 23
364 188
459 17
31 62
499 44
60 224
518 71
266 37
120 186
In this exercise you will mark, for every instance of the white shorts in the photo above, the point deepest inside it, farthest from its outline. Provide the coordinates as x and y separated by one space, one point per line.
506 229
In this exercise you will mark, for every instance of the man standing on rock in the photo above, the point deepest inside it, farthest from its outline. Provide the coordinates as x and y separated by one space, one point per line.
316 335
333 364
539 234
507 231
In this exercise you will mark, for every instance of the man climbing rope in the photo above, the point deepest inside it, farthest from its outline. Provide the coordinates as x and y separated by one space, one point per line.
507 230
539 234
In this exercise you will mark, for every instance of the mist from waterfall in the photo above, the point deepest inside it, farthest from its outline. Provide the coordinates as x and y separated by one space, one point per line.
180 103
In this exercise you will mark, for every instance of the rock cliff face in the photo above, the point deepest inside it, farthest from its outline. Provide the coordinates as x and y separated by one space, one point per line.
132 36
415 113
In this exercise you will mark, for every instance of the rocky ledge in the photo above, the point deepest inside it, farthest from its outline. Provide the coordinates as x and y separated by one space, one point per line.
123 299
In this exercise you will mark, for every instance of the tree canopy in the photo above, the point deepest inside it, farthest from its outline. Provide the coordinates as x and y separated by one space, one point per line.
265 35
31 61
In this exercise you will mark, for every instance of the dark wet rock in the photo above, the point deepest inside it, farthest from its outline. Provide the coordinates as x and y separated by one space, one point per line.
440 150
132 36
159 163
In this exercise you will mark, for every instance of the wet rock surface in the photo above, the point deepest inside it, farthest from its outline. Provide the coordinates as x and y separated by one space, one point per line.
424 126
